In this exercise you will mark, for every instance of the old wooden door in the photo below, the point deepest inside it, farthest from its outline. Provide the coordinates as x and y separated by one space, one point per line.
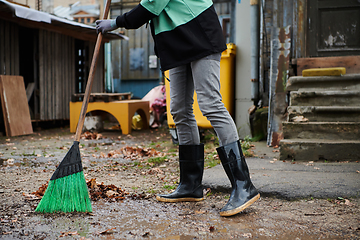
333 28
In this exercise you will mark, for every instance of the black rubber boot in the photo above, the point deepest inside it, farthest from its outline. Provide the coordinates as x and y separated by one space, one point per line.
191 161
243 192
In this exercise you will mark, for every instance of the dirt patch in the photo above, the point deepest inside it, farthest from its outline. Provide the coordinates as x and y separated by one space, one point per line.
119 161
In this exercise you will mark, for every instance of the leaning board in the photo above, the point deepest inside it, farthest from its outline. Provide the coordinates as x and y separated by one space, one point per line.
15 106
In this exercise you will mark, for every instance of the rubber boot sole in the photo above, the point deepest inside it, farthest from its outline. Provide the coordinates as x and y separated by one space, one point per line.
241 208
172 200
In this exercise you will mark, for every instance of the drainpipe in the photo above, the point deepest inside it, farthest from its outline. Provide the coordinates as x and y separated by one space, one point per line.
109 85
255 40
109 81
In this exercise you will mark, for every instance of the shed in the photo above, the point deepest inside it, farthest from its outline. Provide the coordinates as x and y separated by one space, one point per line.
52 54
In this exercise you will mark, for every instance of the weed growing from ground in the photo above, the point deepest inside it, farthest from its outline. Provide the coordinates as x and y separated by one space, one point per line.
157 160
169 187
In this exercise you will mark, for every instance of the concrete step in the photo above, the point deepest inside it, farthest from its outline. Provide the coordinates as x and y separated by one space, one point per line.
321 130
325 113
348 81
325 98
319 150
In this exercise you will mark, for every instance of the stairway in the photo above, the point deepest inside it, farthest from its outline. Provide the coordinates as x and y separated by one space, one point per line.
323 122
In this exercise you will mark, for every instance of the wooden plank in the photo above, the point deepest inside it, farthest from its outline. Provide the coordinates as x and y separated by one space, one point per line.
58 78
73 79
37 76
15 106
48 71
41 75
351 63
68 76
30 90
43 99
7 49
53 76
64 80
44 91
337 71
2 46
16 52
12 49
61 45
102 97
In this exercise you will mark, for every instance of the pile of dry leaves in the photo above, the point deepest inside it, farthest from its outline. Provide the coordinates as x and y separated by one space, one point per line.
106 192
132 153
97 192
91 135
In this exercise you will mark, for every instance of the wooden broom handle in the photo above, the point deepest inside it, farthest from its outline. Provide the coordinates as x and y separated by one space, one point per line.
90 78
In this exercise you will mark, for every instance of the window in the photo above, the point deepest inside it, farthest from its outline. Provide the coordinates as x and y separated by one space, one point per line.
82 69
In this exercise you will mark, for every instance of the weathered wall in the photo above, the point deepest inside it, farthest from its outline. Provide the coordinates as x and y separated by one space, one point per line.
283 39
9 48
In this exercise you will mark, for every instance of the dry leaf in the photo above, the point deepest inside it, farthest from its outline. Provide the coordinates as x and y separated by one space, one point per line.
40 192
101 191
64 234
31 197
110 193
299 119
247 235
200 212
107 231
348 203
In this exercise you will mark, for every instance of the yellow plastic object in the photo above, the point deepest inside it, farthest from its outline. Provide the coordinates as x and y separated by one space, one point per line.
336 71
227 83
137 122
123 111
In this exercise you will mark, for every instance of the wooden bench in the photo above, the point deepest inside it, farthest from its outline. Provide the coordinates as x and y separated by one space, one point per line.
123 111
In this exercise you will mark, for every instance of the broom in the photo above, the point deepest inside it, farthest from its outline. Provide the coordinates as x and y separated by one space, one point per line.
67 190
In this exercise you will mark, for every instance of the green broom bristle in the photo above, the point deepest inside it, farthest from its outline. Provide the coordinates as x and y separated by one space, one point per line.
67 190
66 194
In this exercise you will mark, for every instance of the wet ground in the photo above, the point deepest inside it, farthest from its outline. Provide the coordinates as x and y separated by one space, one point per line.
27 162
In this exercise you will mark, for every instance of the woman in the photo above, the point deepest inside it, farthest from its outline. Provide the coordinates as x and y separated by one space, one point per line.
189 42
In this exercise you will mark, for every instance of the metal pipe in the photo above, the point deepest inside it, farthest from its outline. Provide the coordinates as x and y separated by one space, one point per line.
233 21
255 46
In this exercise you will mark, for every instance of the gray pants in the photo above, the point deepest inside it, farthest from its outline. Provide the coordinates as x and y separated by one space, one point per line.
203 76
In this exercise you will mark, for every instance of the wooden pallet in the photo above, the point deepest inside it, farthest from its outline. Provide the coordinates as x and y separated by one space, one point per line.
102 97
